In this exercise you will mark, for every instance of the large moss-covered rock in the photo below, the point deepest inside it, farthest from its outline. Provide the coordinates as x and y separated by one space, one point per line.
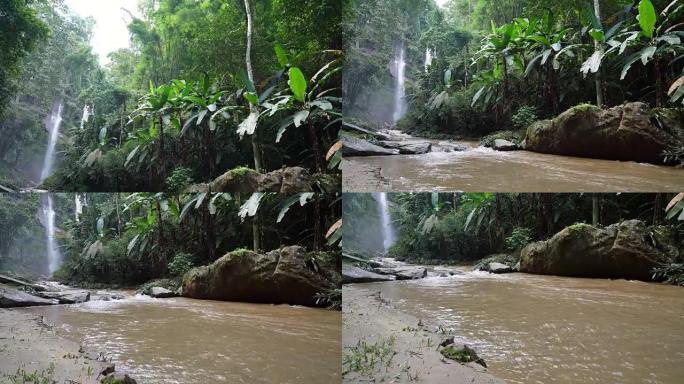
285 276
286 180
628 132
627 250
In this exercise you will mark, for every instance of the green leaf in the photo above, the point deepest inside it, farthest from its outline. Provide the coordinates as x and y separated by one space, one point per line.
103 135
646 54
131 155
647 17
281 55
249 125
252 98
283 127
628 64
447 77
250 207
598 35
300 117
131 244
477 96
297 83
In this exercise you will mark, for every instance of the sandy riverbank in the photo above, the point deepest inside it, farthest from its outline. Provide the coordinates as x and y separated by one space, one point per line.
383 344
29 346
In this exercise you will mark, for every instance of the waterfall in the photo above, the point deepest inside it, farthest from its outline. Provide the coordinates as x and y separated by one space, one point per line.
388 238
428 58
87 112
79 207
52 123
399 71
54 258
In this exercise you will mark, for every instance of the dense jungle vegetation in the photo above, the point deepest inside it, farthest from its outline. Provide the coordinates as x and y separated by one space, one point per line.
466 227
500 65
206 87
128 239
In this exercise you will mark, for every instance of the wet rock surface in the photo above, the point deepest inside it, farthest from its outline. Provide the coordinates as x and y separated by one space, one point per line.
626 250
504 145
67 297
284 276
408 148
353 274
286 180
359 147
628 132
404 272
11 297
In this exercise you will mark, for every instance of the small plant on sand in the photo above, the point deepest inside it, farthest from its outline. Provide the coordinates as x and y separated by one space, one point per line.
364 357
43 377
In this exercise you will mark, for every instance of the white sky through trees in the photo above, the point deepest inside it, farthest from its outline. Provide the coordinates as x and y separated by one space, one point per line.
110 31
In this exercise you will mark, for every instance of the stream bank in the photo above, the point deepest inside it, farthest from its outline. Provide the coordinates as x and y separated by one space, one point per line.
383 343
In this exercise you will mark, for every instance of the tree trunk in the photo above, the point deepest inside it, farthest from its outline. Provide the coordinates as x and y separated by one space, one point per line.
595 210
256 148
657 209
256 232
160 226
599 48
162 158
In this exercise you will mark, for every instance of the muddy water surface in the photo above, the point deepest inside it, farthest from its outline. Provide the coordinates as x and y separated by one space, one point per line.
191 341
542 329
485 170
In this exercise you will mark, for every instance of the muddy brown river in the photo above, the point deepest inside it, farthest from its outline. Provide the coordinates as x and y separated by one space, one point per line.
191 341
544 329
485 170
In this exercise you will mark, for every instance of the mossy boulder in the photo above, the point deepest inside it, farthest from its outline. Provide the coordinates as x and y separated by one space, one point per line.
289 275
627 132
625 250
462 353
246 180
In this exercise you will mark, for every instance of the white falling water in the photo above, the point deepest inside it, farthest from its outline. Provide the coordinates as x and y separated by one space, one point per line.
388 238
54 258
79 207
87 112
428 58
399 71
52 123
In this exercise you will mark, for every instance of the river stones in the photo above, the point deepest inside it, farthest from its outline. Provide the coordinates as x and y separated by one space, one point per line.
288 275
161 293
461 353
118 378
358 147
352 274
407 148
499 268
447 146
404 272
10 297
66 297
628 132
626 250
504 145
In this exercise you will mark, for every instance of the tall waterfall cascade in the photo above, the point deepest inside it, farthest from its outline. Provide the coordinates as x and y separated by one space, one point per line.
54 257
52 124
388 236
399 72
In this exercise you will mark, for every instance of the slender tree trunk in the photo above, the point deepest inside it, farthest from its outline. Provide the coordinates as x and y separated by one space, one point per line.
599 48
256 148
317 225
162 158
657 209
119 227
256 232
595 210
162 247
